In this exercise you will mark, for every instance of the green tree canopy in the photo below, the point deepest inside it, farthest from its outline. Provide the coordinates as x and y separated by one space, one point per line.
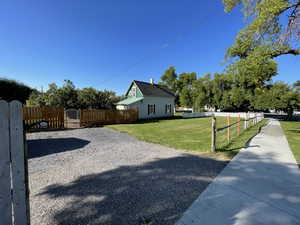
185 88
278 96
273 24
169 78
68 96
296 86
87 98
202 93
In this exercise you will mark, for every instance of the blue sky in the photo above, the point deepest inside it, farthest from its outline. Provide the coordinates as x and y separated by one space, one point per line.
107 43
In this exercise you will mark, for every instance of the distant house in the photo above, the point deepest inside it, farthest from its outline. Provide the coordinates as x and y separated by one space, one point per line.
151 100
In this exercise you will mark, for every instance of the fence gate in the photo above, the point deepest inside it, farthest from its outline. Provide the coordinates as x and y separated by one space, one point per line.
72 118
14 202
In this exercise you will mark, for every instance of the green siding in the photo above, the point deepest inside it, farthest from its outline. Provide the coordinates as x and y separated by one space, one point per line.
138 91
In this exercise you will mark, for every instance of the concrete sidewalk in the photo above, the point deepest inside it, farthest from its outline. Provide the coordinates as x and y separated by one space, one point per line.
261 185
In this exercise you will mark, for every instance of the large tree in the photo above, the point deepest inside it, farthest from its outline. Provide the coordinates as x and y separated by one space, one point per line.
278 96
265 36
202 93
169 78
273 24
185 88
87 98
66 96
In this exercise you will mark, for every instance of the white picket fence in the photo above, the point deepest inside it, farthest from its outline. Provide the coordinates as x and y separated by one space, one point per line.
14 204
224 114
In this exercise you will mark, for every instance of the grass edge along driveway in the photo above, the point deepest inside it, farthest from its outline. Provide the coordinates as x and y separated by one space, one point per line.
292 133
192 135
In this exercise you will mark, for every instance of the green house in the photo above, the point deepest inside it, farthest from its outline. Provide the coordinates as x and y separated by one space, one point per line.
151 100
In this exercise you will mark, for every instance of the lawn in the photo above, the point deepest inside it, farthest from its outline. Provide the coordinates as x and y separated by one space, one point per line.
292 132
187 134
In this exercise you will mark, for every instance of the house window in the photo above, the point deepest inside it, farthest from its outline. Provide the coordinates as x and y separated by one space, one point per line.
168 108
151 109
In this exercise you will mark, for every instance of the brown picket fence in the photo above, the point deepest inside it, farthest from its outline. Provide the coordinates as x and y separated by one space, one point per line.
54 117
91 117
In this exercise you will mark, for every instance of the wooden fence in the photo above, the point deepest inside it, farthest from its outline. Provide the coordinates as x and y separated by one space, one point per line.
90 117
14 202
233 129
57 118
54 117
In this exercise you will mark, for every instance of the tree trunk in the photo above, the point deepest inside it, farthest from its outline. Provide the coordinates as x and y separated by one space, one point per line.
290 113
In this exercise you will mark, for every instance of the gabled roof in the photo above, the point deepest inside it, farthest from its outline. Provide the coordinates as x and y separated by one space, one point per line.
155 90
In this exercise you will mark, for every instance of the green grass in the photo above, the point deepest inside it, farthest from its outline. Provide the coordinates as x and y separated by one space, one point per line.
187 134
231 149
292 132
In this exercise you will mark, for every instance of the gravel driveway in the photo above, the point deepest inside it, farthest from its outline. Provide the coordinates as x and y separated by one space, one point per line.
99 176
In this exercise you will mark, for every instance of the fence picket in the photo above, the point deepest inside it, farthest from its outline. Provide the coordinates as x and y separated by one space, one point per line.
17 163
5 180
239 126
54 116
213 134
228 129
93 116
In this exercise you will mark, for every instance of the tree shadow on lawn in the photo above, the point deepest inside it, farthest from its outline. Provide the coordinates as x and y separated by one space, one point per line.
294 131
42 147
154 193
157 120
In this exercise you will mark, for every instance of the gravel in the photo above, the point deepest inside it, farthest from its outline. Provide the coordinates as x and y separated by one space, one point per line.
100 176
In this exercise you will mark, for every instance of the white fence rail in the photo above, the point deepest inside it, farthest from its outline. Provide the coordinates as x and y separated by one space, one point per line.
224 114
14 204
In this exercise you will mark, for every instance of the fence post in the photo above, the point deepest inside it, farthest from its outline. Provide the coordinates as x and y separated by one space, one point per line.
248 120
239 125
228 129
213 134
5 179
